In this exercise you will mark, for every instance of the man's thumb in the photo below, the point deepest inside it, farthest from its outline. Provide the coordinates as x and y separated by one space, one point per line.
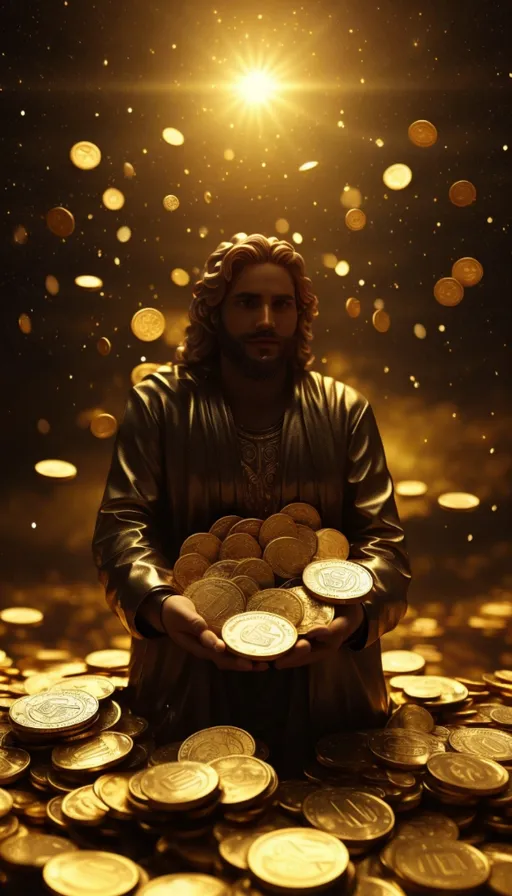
187 619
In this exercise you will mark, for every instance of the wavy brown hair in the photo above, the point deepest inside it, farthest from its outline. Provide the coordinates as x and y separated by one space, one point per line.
200 345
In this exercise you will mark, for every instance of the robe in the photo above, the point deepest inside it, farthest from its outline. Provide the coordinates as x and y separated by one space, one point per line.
176 468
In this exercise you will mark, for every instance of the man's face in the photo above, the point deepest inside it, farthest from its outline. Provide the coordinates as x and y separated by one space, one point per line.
258 321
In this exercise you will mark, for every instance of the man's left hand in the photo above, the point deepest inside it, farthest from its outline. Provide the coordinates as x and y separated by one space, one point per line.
324 640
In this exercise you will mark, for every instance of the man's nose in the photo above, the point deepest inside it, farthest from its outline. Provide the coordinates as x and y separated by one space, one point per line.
266 315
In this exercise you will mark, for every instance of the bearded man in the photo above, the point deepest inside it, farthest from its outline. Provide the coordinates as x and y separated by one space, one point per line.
241 425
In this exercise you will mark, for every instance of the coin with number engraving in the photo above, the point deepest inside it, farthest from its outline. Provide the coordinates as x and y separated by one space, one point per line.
83 807
467 773
337 581
53 711
91 871
179 785
259 635
303 513
216 600
352 815
95 754
212 743
185 884
279 601
298 860
441 865
242 779
485 742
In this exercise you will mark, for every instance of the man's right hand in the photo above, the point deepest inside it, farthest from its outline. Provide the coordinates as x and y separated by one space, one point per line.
189 630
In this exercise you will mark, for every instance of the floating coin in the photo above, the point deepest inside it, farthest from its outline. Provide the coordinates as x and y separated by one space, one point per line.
280 601
448 291
21 616
401 661
103 426
25 324
142 370
441 866
337 581
103 346
467 271
222 569
468 773
148 324
212 743
56 469
53 711
222 526
485 742
108 659
216 600
85 155
303 513
179 785
462 193
298 859
239 547
113 198
91 871
60 221
256 569
355 219
353 307
96 685
332 545
422 133
316 613
189 569
95 754
242 779
400 748
83 806
350 814
381 321
259 635
249 526
185 884
203 543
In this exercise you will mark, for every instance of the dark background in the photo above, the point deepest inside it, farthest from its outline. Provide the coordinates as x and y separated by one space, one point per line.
442 403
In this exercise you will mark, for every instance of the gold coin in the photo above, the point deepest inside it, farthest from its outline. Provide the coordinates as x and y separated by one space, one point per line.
462 193
22 851
185 884
332 545
13 764
55 469
167 753
500 881
291 794
95 685
108 659
280 601
376 886
189 569
103 426
235 849
113 198
203 543
21 616
60 221
381 321
422 688
247 585
239 547
303 514
53 711
84 807
133 726
278 525
422 133
216 600
308 539
353 307
113 791
142 370
441 866
104 346
286 556
222 526
96 754
91 871
355 219
413 718
212 743
256 569
243 779
315 612
222 569
148 324
179 785
502 715
298 859
504 675
249 526
468 271
54 812
343 750
5 800
85 155
259 635
337 581
448 291
401 661
485 742
467 773
401 748
350 814
25 324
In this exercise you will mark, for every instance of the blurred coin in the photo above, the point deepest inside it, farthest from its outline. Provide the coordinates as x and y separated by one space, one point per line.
54 468
355 219
133 726
103 346
376 886
91 871
96 685
449 292
54 812
239 547
242 779
422 688
303 514
485 742
113 198
462 193
286 556
185 884
148 324
400 748
381 321
256 569
60 221
291 794
441 866
278 525
179 785
212 743
85 155
259 635
189 569
401 661
500 881
222 569
296 859
141 370
467 773
108 659
428 824
468 271
33 851
13 764
96 754
422 133
222 526
249 526
216 600
504 675
332 545
355 817
5 802
337 581
103 426
353 307
203 543
21 616
277 600
316 613
502 715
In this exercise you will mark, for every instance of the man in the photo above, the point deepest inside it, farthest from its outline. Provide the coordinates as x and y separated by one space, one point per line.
240 426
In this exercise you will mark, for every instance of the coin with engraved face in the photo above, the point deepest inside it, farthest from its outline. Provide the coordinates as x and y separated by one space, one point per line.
183 784
468 773
91 871
53 711
212 743
298 859
352 815
337 581
259 635
441 865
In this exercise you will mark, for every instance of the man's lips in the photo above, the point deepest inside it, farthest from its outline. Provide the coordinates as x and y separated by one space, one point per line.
263 341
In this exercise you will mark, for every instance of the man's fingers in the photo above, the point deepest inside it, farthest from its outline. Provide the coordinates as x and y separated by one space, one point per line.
210 640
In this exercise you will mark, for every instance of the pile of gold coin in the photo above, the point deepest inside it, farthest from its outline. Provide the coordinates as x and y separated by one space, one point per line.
261 583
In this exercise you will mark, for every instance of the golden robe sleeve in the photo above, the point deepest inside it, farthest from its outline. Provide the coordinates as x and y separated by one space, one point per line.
128 541
372 526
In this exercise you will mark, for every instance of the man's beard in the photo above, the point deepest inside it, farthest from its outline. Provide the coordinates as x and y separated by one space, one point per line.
255 368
